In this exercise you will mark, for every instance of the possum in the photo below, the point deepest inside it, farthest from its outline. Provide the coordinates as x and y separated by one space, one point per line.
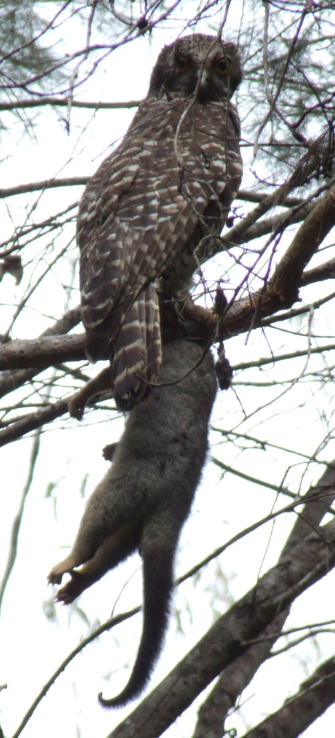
145 497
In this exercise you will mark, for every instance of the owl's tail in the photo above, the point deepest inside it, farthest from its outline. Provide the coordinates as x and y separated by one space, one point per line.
157 549
137 353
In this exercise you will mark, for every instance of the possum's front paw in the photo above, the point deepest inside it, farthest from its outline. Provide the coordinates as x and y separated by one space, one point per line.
56 574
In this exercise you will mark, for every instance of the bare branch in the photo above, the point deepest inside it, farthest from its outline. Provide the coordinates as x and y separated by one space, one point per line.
315 695
284 357
239 674
18 518
305 243
312 559
111 623
63 102
318 274
252 196
11 380
42 352
44 185
33 421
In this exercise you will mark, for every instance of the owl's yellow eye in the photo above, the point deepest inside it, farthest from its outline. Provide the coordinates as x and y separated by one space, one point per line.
182 65
221 66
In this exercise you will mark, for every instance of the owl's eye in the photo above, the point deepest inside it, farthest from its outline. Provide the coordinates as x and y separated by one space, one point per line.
221 66
182 64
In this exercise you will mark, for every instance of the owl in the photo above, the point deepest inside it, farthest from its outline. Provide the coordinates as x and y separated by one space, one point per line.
149 215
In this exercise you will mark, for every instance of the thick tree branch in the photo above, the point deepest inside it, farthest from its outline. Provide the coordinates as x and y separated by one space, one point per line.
282 288
31 356
239 674
315 695
304 245
11 380
234 680
305 167
42 352
223 643
319 273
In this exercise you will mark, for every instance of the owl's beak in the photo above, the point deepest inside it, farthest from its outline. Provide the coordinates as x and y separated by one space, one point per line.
203 83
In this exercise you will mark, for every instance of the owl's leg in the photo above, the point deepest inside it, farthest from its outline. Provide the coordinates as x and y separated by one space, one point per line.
101 383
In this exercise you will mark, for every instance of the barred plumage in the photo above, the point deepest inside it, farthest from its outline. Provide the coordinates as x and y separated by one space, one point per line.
167 187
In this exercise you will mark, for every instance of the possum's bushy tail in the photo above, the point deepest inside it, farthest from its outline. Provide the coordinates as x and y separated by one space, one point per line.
158 560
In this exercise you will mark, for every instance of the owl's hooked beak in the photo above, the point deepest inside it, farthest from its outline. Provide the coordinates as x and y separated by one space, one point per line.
205 87
202 85
202 81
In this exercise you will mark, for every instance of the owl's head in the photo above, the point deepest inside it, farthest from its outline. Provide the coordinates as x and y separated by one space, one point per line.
198 63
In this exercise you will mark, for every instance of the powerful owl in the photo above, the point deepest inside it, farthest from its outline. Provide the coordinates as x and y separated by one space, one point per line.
150 213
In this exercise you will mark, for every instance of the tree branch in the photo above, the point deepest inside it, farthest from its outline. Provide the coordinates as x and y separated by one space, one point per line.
284 357
315 695
18 517
304 245
239 674
11 380
33 421
31 356
281 290
223 643
64 102
251 196
42 352
45 184
319 273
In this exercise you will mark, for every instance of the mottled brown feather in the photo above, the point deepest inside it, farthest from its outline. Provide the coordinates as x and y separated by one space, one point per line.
143 213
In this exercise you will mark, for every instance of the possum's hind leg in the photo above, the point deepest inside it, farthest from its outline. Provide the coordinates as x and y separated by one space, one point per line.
113 550
105 517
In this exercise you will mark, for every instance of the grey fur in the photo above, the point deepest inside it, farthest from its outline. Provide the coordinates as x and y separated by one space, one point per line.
146 496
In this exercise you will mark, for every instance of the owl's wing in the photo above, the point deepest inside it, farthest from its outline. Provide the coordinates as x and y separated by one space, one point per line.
142 207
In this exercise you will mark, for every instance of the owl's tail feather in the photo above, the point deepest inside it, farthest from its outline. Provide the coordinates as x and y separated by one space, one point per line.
136 350
99 334
157 549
